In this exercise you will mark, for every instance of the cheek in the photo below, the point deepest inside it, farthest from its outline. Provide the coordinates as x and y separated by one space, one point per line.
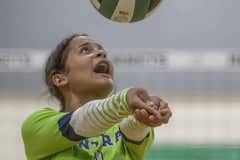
79 73
78 64
78 68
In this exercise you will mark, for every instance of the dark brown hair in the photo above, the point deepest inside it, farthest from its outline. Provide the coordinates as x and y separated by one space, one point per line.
56 63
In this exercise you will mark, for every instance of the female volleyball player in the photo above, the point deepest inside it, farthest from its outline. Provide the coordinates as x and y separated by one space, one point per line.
92 124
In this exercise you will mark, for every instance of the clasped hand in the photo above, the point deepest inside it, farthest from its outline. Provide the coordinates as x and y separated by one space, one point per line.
149 110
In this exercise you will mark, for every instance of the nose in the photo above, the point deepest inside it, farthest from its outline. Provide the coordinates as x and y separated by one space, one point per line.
101 53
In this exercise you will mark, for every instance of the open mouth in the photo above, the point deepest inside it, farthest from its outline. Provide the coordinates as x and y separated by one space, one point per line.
102 67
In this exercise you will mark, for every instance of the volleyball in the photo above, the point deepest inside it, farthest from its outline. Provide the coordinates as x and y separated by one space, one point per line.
126 11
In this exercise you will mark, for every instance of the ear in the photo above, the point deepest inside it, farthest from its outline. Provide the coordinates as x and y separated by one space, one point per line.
59 80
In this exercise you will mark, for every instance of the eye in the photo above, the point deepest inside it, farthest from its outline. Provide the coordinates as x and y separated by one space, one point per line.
85 50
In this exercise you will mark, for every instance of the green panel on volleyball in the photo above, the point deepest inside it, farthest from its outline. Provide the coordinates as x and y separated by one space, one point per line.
107 7
141 9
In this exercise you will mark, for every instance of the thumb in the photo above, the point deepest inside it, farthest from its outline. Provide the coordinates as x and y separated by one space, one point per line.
143 95
141 100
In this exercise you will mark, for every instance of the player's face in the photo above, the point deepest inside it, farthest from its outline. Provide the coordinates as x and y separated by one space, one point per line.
88 69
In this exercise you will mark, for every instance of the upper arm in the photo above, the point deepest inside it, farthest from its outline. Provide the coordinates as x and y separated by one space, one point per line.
47 132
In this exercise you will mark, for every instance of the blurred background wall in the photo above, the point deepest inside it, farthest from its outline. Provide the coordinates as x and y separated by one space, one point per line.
176 24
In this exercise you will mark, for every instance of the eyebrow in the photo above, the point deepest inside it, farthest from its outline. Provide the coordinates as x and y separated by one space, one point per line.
99 46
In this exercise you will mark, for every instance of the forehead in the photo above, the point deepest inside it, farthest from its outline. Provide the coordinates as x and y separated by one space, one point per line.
81 40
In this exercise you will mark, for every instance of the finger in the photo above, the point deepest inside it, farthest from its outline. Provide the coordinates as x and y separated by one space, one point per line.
136 97
155 119
151 123
141 105
143 95
167 117
137 115
143 117
151 118
163 105
156 100
143 114
140 115
150 103
164 111
155 124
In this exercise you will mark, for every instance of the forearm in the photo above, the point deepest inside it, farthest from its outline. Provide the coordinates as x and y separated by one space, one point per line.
97 116
134 130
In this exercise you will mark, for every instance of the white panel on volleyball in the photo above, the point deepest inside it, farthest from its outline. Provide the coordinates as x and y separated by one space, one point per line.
124 11
96 3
